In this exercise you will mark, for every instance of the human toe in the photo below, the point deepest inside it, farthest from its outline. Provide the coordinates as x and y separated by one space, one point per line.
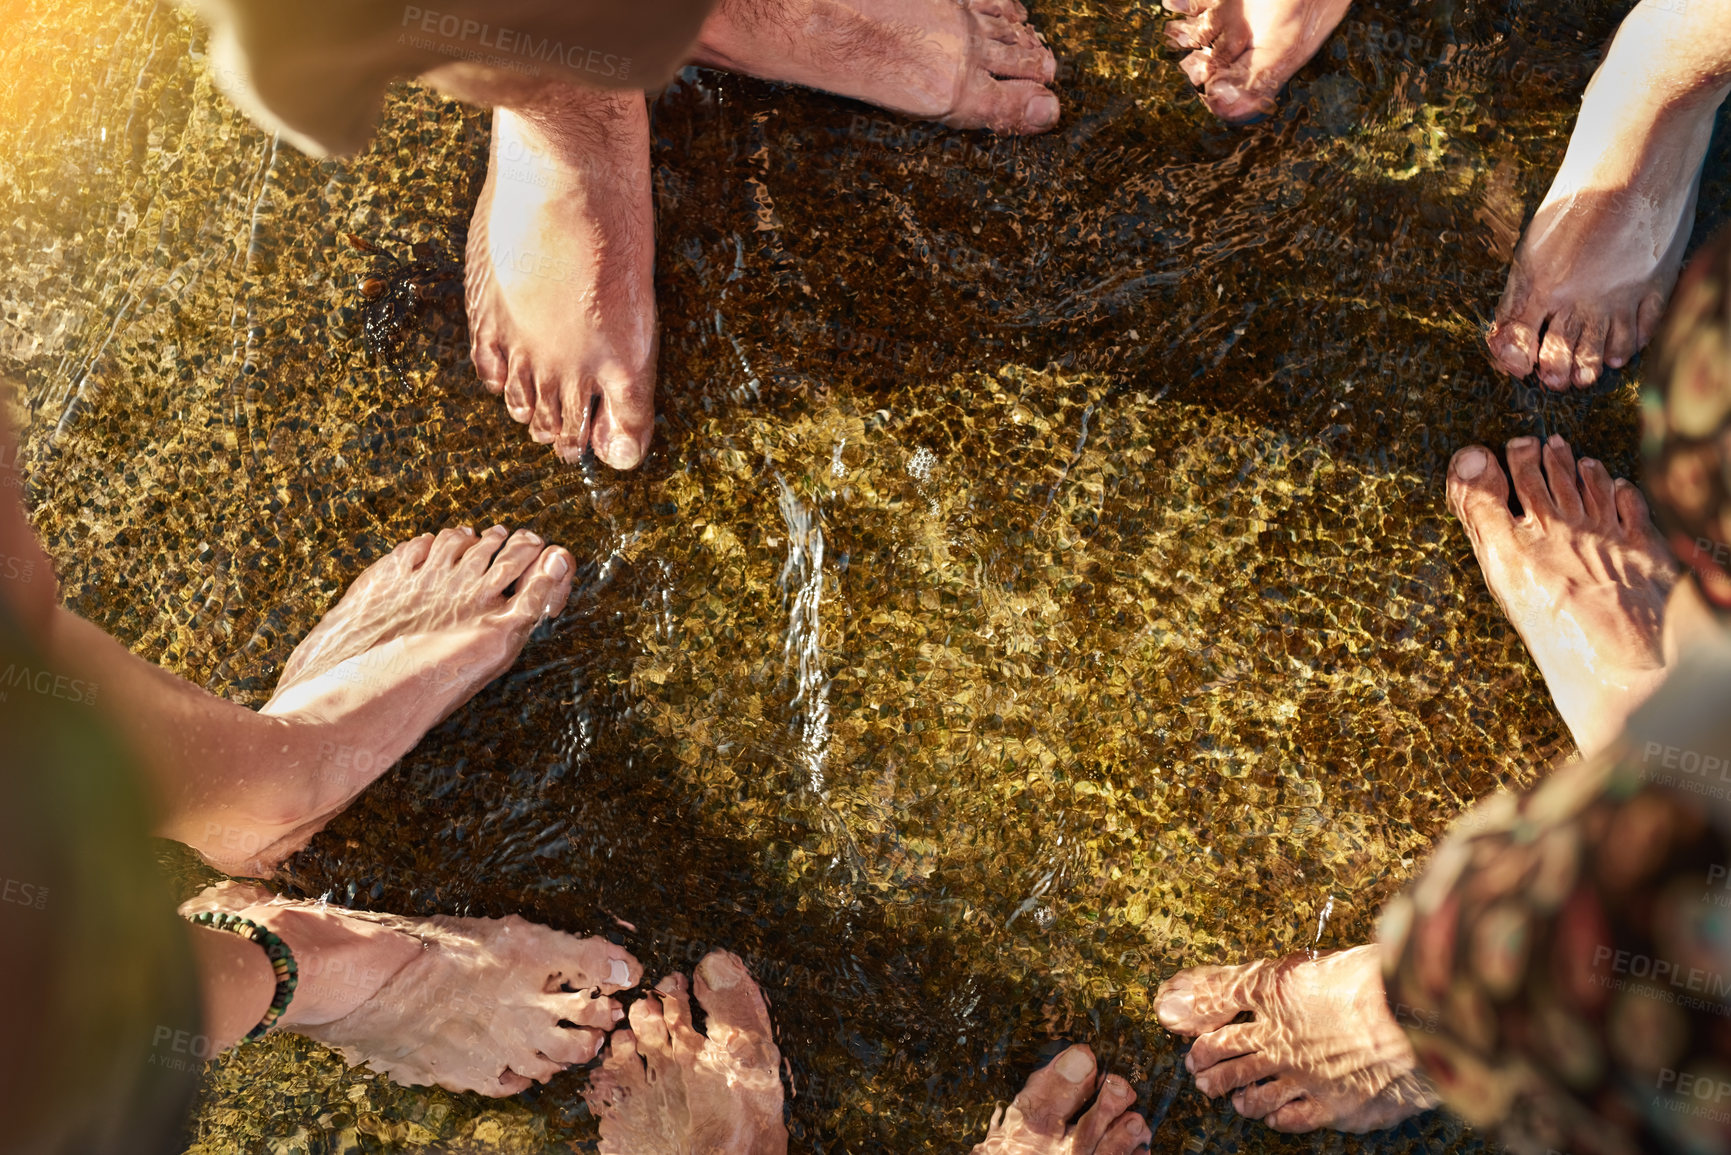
1298 1116
1598 493
547 418
650 1026
1528 478
1557 353
1514 346
569 1046
491 364
1114 1099
1235 100
1231 1074
542 593
595 963
1020 61
479 556
413 554
730 998
1590 351
520 391
1620 340
625 421
1197 1000
1261 1099
450 545
675 995
513 560
1127 1135
584 1009
1634 516
1055 1092
537 1067
1562 478
1478 490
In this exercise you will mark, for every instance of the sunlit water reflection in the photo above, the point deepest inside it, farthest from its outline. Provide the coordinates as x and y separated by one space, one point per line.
1042 581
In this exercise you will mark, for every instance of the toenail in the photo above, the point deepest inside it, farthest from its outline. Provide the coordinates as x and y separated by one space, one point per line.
466 530
498 529
1042 110
1471 463
532 537
1556 440
1137 1127
618 974
618 1014
557 566
623 452
721 972
1075 1065
1523 442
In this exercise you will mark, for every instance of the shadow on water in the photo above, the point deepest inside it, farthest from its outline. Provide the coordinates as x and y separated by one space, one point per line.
1138 636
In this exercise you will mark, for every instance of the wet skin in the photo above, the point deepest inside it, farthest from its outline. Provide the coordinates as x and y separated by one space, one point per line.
1068 1108
561 258
1585 578
665 1088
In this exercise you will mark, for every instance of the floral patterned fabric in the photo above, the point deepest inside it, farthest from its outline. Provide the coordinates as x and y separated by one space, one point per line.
1563 967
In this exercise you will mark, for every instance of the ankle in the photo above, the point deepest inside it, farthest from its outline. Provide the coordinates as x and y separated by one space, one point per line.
344 960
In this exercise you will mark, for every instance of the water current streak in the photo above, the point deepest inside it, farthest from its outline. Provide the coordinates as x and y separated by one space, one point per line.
802 582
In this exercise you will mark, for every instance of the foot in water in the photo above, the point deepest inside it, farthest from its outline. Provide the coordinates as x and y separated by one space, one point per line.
1321 1049
1596 266
973 64
1244 51
417 635
1038 1122
560 273
665 1088
470 1004
1582 574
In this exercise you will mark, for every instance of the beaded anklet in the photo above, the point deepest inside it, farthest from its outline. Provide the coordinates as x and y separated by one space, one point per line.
282 961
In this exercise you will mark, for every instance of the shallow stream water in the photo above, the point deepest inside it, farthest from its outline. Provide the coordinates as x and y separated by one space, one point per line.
1041 581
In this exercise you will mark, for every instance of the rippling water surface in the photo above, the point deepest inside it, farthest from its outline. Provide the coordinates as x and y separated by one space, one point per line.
1041 581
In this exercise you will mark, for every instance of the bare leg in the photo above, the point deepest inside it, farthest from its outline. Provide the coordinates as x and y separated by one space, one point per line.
1599 260
317 70
471 1004
416 636
1039 1121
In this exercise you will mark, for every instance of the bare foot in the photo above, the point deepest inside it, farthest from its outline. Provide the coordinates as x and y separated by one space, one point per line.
1322 1050
1582 574
469 1004
1038 1121
418 634
560 273
1600 258
665 1089
973 64
1246 50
